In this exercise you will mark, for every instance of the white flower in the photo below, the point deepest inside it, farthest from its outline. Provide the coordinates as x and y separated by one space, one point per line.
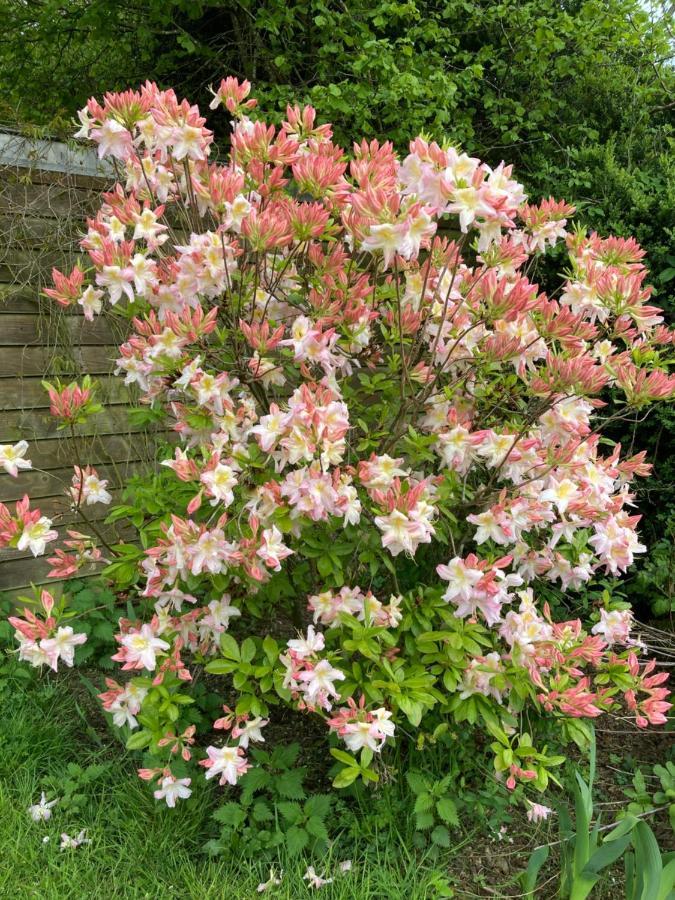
94 490
561 494
614 625
315 881
72 843
91 302
304 647
42 811
35 537
220 482
272 881
250 731
171 789
318 682
62 646
538 812
228 762
12 458
113 139
141 646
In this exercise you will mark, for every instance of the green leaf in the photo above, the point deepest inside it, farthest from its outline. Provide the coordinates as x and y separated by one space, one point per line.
607 854
296 840
138 740
317 829
528 879
423 802
447 810
648 865
290 785
318 805
417 782
346 777
412 710
248 650
261 812
230 814
220 667
424 821
667 881
229 646
290 811
440 836
343 757
624 826
271 649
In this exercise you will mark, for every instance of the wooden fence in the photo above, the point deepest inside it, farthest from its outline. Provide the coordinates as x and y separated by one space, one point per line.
47 190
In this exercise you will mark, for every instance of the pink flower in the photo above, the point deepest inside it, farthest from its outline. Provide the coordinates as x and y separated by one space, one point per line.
228 762
139 648
614 625
537 812
314 880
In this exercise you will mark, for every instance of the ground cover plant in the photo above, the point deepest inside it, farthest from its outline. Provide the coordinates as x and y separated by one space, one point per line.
393 473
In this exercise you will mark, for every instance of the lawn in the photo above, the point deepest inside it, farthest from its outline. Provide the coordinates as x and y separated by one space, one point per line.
139 848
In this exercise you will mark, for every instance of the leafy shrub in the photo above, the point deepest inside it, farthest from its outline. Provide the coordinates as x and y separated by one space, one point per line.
644 799
273 810
390 452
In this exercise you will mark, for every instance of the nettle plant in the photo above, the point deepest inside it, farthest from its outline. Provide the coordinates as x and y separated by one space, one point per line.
389 437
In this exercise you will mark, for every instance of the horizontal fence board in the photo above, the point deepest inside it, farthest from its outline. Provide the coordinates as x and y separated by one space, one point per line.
113 534
96 450
17 361
46 483
21 329
18 574
23 299
55 200
86 185
109 532
30 233
19 298
29 266
34 424
60 508
28 393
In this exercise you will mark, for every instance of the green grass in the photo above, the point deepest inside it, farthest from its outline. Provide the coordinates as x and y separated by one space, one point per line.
139 848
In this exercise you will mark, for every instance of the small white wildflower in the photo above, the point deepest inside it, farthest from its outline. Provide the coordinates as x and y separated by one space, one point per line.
72 843
272 881
41 811
315 881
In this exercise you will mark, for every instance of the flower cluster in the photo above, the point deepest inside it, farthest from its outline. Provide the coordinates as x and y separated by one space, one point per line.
310 678
361 728
42 640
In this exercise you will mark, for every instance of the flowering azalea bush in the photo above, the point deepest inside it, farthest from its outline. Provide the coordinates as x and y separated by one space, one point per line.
389 447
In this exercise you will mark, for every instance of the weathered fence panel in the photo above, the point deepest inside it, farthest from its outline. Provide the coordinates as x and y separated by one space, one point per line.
47 190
